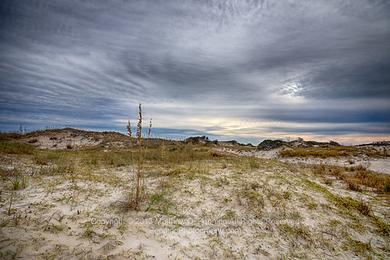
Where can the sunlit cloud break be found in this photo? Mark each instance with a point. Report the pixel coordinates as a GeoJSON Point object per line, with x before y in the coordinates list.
{"type": "Point", "coordinates": [244, 70]}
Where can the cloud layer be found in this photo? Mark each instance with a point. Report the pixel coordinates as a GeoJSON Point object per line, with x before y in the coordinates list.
{"type": "Point", "coordinates": [231, 69]}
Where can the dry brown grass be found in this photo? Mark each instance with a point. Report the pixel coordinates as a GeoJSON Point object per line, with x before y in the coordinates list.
{"type": "Point", "coordinates": [326, 152]}
{"type": "Point", "coordinates": [345, 203]}
{"type": "Point", "coordinates": [355, 177]}
{"type": "Point", "coordinates": [353, 185]}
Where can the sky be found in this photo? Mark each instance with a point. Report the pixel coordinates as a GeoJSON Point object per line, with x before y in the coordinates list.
{"type": "Point", "coordinates": [236, 69]}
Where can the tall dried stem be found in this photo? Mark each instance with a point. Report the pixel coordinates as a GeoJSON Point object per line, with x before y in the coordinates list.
{"type": "Point", "coordinates": [150, 129]}
{"type": "Point", "coordinates": [139, 126]}
{"type": "Point", "coordinates": [129, 128]}
{"type": "Point", "coordinates": [140, 160]}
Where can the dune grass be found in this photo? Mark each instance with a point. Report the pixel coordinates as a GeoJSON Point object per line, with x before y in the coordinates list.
{"type": "Point", "coordinates": [356, 178]}
{"type": "Point", "coordinates": [196, 182]}
{"type": "Point", "coordinates": [326, 152]}
{"type": "Point", "coordinates": [12, 147]}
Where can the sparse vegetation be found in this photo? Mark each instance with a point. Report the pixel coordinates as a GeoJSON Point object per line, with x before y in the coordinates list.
{"type": "Point", "coordinates": [355, 177]}
{"type": "Point", "coordinates": [139, 176]}
{"type": "Point", "coordinates": [19, 182]}
{"type": "Point", "coordinates": [360, 248]}
{"type": "Point", "coordinates": [295, 231]}
{"type": "Point", "coordinates": [325, 152]}
{"type": "Point", "coordinates": [198, 196]}
{"type": "Point", "coordinates": [12, 147]}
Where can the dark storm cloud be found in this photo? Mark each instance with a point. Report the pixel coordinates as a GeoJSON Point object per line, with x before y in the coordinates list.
{"type": "Point", "coordinates": [197, 65]}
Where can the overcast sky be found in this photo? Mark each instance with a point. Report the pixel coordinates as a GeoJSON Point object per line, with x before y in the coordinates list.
{"type": "Point", "coordinates": [244, 70]}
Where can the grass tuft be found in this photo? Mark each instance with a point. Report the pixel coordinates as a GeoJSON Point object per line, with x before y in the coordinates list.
{"type": "Point", "coordinates": [341, 202]}
{"type": "Point", "coordinates": [355, 177]}
{"type": "Point", "coordinates": [296, 231]}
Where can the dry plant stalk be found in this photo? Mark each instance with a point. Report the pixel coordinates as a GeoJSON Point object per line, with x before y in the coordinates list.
{"type": "Point", "coordinates": [139, 125]}
{"type": "Point", "coordinates": [140, 160]}
{"type": "Point", "coordinates": [10, 203]}
{"type": "Point", "coordinates": [129, 128]}
{"type": "Point", "coordinates": [150, 129]}
{"type": "Point", "coordinates": [163, 152]}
